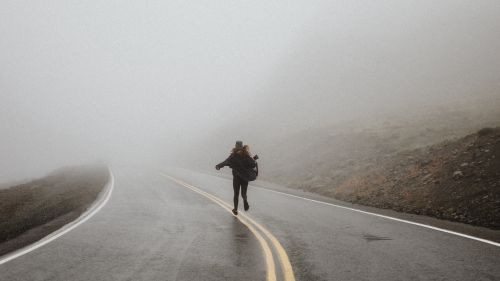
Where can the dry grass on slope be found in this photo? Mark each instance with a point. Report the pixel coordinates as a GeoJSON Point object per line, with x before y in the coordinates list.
{"type": "Point", "coordinates": [32, 210]}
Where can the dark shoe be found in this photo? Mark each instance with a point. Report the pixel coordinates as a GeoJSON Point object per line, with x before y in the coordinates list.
{"type": "Point", "coordinates": [246, 206]}
{"type": "Point", "coordinates": [235, 212]}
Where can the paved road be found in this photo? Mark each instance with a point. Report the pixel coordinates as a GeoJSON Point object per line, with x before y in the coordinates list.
{"type": "Point", "coordinates": [156, 229]}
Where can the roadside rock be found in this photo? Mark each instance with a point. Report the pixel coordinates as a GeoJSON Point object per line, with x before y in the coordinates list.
{"type": "Point", "coordinates": [458, 174]}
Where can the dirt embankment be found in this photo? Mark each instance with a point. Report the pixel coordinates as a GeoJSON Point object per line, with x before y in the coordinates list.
{"type": "Point", "coordinates": [455, 180]}
{"type": "Point", "coordinates": [32, 210]}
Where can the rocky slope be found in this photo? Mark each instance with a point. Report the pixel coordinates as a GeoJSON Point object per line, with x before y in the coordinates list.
{"type": "Point", "coordinates": [456, 178]}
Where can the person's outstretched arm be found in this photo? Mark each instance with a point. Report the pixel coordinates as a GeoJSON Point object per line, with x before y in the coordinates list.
{"type": "Point", "coordinates": [224, 163]}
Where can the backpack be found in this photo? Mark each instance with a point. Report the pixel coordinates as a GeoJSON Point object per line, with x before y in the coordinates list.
{"type": "Point", "coordinates": [253, 173]}
{"type": "Point", "coordinates": [245, 167]}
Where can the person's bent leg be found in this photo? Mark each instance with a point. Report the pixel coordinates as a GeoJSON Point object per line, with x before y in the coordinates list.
{"type": "Point", "coordinates": [244, 187]}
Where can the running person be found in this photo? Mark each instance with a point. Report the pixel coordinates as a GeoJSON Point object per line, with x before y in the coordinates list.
{"type": "Point", "coordinates": [243, 166]}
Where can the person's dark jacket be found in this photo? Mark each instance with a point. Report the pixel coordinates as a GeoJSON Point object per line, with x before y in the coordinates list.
{"type": "Point", "coordinates": [243, 165]}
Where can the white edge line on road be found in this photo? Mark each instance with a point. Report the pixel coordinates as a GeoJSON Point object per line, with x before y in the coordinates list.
{"type": "Point", "coordinates": [388, 217]}
{"type": "Point", "coordinates": [376, 215]}
{"type": "Point", "coordinates": [96, 207]}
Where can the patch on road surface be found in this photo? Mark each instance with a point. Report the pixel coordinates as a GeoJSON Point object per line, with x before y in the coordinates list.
{"type": "Point", "coordinates": [370, 238]}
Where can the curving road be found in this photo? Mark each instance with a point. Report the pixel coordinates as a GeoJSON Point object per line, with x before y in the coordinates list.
{"type": "Point", "coordinates": [176, 225]}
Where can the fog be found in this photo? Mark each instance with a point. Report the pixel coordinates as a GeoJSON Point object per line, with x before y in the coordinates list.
{"type": "Point", "coordinates": [148, 83]}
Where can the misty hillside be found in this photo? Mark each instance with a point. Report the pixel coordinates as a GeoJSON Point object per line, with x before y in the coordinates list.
{"type": "Point", "coordinates": [31, 210]}
{"type": "Point", "coordinates": [319, 157]}
{"type": "Point", "coordinates": [455, 180]}
{"type": "Point", "coordinates": [399, 164]}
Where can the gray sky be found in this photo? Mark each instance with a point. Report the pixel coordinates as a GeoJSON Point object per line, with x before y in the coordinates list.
{"type": "Point", "coordinates": [85, 80]}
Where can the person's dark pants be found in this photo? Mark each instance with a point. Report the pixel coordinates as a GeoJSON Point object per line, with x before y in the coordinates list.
{"type": "Point", "coordinates": [237, 183]}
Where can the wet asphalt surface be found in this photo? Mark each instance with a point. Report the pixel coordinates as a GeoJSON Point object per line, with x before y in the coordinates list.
{"type": "Point", "coordinates": [154, 229]}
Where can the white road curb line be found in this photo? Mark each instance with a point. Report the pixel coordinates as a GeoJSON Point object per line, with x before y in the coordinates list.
{"type": "Point", "coordinates": [68, 227]}
{"type": "Point", "coordinates": [377, 215]}
{"type": "Point", "coordinates": [388, 217]}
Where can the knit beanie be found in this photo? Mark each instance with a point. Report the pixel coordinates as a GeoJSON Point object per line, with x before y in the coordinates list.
{"type": "Point", "coordinates": [239, 144]}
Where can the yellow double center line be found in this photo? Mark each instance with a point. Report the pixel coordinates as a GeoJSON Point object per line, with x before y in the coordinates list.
{"type": "Point", "coordinates": [286, 267]}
